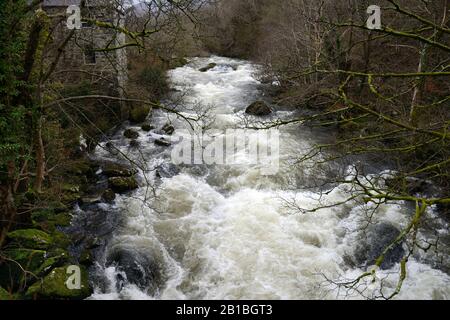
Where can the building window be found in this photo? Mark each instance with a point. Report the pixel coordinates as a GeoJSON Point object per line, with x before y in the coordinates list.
{"type": "Point", "coordinates": [90, 55]}
{"type": "Point", "coordinates": [87, 24]}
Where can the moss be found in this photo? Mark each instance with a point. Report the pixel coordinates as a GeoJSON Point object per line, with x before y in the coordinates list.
{"type": "Point", "coordinates": [4, 295]}
{"type": "Point", "coordinates": [11, 274]}
{"type": "Point", "coordinates": [30, 238]}
{"type": "Point", "coordinates": [122, 184]}
{"type": "Point", "coordinates": [52, 262]}
{"type": "Point", "coordinates": [71, 193]}
{"type": "Point", "coordinates": [54, 286]}
{"type": "Point", "coordinates": [80, 168]}
{"type": "Point", "coordinates": [208, 67]}
{"type": "Point", "coordinates": [178, 63]}
{"type": "Point", "coordinates": [60, 240]}
{"type": "Point", "coordinates": [48, 220]}
{"type": "Point", "coordinates": [63, 219]}
{"type": "Point", "coordinates": [117, 170]}
{"type": "Point", "coordinates": [138, 114]}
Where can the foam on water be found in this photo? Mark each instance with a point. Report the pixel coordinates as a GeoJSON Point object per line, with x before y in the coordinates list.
{"type": "Point", "coordinates": [229, 233]}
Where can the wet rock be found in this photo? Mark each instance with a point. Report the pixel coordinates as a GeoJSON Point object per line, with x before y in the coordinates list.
{"type": "Point", "coordinates": [376, 239]}
{"type": "Point", "coordinates": [109, 195]}
{"type": "Point", "coordinates": [122, 184]}
{"type": "Point", "coordinates": [167, 170]}
{"type": "Point", "coordinates": [168, 129]}
{"type": "Point", "coordinates": [80, 168]}
{"type": "Point", "coordinates": [208, 67]}
{"type": "Point", "coordinates": [147, 127]}
{"type": "Point", "coordinates": [48, 220]}
{"type": "Point", "coordinates": [139, 114]}
{"type": "Point", "coordinates": [163, 142]}
{"type": "Point", "coordinates": [117, 170]}
{"type": "Point", "coordinates": [53, 286]}
{"type": "Point", "coordinates": [86, 258]}
{"type": "Point", "coordinates": [52, 261]}
{"type": "Point", "coordinates": [258, 108]}
{"type": "Point", "coordinates": [91, 199]}
{"type": "Point", "coordinates": [134, 144]}
{"type": "Point", "coordinates": [136, 268]}
{"type": "Point", "coordinates": [70, 194]}
{"type": "Point", "coordinates": [178, 63]}
{"type": "Point", "coordinates": [131, 134]}
{"type": "Point", "coordinates": [30, 238]}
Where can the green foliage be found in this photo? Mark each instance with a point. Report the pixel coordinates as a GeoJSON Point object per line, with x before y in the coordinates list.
{"type": "Point", "coordinates": [153, 78]}
{"type": "Point", "coordinates": [12, 115]}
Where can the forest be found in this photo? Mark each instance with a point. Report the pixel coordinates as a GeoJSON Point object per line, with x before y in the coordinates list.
{"type": "Point", "coordinates": [93, 94]}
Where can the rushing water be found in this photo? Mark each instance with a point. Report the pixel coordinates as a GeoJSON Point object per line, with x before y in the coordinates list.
{"type": "Point", "coordinates": [226, 232]}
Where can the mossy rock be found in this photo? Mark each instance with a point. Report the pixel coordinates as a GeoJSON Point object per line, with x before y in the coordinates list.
{"type": "Point", "coordinates": [30, 238]}
{"type": "Point", "coordinates": [60, 240]}
{"type": "Point", "coordinates": [4, 295]}
{"type": "Point", "coordinates": [208, 67]}
{"type": "Point", "coordinates": [54, 286]}
{"type": "Point", "coordinates": [57, 259]}
{"type": "Point", "coordinates": [71, 193]}
{"type": "Point", "coordinates": [117, 170]}
{"type": "Point", "coordinates": [109, 195]}
{"type": "Point", "coordinates": [81, 168]}
{"type": "Point", "coordinates": [178, 63]}
{"type": "Point", "coordinates": [29, 259]}
{"type": "Point", "coordinates": [86, 258]}
{"type": "Point", "coordinates": [48, 220]}
{"type": "Point", "coordinates": [131, 134]}
{"type": "Point", "coordinates": [122, 184]}
{"type": "Point", "coordinates": [11, 274]}
{"type": "Point", "coordinates": [63, 219]}
{"type": "Point", "coordinates": [139, 113]}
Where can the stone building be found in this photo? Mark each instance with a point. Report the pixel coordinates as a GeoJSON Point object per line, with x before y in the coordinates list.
{"type": "Point", "coordinates": [90, 53]}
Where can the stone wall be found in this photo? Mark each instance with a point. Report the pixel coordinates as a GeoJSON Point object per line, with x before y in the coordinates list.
{"type": "Point", "coordinates": [110, 67]}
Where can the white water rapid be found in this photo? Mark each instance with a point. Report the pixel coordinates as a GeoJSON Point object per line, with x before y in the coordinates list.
{"type": "Point", "coordinates": [226, 232]}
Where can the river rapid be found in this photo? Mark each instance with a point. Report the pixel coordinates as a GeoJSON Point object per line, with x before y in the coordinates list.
{"type": "Point", "coordinates": [231, 232]}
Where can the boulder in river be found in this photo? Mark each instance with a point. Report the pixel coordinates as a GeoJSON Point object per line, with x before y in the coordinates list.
{"type": "Point", "coordinates": [258, 108]}
{"type": "Point", "coordinates": [163, 142]}
{"type": "Point", "coordinates": [122, 184]}
{"type": "Point", "coordinates": [168, 129]}
{"type": "Point", "coordinates": [109, 195]}
{"type": "Point", "coordinates": [134, 144]}
{"type": "Point", "coordinates": [111, 169]}
{"type": "Point", "coordinates": [139, 269]}
{"type": "Point", "coordinates": [374, 242]}
{"type": "Point", "coordinates": [131, 134]}
{"type": "Point", "coordinates": [167, 170]}
{"type": "Point", "coordinates": [147, 127]}
{"type": "Point", "coordinates": [208, 67]}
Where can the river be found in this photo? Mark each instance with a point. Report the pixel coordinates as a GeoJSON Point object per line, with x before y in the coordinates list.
{"type": "Point", "coordinates": [231, 232]}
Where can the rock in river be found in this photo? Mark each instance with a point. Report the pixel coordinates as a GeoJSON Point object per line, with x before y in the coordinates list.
{"type": "Point", "coordinates": [131, 134]}
{"type": "Point", "coordinates": [122, 184]}
{"type": "Point", "coordinates": [208, 67]}
{"type": "Point", "coordinates": [258, 108]}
